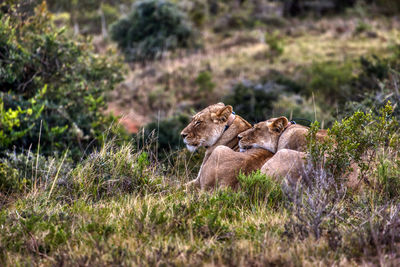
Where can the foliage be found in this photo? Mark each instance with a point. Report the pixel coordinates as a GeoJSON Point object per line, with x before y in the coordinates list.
{"type": "Point", "coordinates": [86, 15]}
{"type": "Point", "coordinates": [52, 86]}
{"type": "Point", "coordinates": [206, 86]}
{"type": "Point", "coordinates": [275, 44]}
{"type": "Point", "coordinates": [253, 101]}
{"type": "Point", "coordinates": [330, 81]}
{"type": "Point", "coordinates": [257, 188]}
{"type": "Point", "coordinates": [357, 139]}
{"type": "Point", "coordinates": [112, 171]}
{"type": "Point", "coordinates": [302, 110]}
{"type": "Point", "coordinates": [29, 172]}
{"type": "Point", "coordinates": [153, 26]}
{"type": "Point", "coordinates": [163, 135]}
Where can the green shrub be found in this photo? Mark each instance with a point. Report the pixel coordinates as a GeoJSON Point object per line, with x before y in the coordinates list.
{"type": "Point", "coordinates": [205, 88]}
{"type": "Point", "coordinates": [252, 101]}
{"type": "Point", "coordinates": [51, 86]}
{"type": "Point", "coordinates": [164, 135]}
{"type": "Point", "coordinates": [362, 27]}
{"type": "Point", "coordinates": [153, 26]}
{"type": "Point", "coordinates": [331, 81]}
{"type": "Point", "coordinates": [357, 139]}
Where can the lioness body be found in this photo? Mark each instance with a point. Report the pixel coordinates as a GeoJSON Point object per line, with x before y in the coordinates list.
{"type": "Point", "coordinates": [286, 140]}
{"type": "Point", "coordinates": [294, 137]}
{"type": "Point", "coordinates": [286, 163]}
{"type": "Point", "coordinates": [289, 143]}
{"type": "Point", "coordinates": [224, 165]}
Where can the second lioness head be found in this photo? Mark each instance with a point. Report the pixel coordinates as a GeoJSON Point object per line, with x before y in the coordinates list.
{"type": "Point", "coordinates": [263, 135]}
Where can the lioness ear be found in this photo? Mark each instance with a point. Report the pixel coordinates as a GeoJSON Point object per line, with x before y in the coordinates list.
{"type": "Point", "coordinates": [279, 124]}
{"type": "Point", "coordinates": [222, 114]}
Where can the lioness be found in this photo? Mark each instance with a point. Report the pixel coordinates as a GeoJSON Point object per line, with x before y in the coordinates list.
{"type": "Point", "coordinates": [214, 126]}
{"type": "Point", "coordinates": [276, 134]}
{"type": "Point", "coordinates": [279, 136]}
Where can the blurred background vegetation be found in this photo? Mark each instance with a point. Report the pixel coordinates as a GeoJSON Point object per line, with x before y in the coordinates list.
{"type": "Point", "coordinates": [69, 69]}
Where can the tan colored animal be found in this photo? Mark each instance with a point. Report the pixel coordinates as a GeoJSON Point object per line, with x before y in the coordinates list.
{"type": "Point", "coordinates": [224, 165]}
{"type": "Point", "coordinates": [276, 134]}
{"type": "Point", "coordinates": [214, 126]}
{"type": "Point", "coordinates": [286, 163]}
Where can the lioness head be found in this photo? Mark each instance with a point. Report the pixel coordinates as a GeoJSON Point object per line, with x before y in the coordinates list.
{"type": "Point", "coordinates": [263, 135]}
{"type": "Point", "coordinates": [206, 127]}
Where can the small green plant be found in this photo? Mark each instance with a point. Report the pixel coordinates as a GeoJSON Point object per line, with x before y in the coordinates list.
{"type": "Point", "coordinates": [206, 86]}
{"type": "Point", "coordinates": [261, 189]}
{"type": "Point", "coordinates": [362, 27]}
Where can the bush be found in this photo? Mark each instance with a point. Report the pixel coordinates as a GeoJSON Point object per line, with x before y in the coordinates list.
{"type": "Point", "coordinates": [331, 81]}
{"type": "Point", "coordinates": [24, 172]}
{"type": "Point", "coordinates": [360, 139]}
{"type": "Point", "coordinates": [153, 26]}
{"type": "Point", "coordinates": [163, 135]}
{"type": "Point", "coordinates": [51, 86]}
{"type": "Point", "coordinates": [252, 101]}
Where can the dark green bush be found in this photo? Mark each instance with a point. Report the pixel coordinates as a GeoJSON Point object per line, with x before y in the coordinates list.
{"type": "Point", "coordinates": [252, 101]}
{"type": "Point", "coordinates": [51, 86]}
{"type": "Point", "coordinates": [153, 26]}
{"type": "Point", "coordinates": [330, 81]}
{"type": "Point", "coordinates": [275, 44]}
{"type": "Point", "coordinates": [164, 135]}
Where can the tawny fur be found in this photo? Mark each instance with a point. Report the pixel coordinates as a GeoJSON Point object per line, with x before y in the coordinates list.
{"type": "Point", "coordinates": [289, 143]}
{"type": "Point", "coordinates": [224, 166]}
{"type": "Point", "coordinates": [276, 134]}
{"type": "Point", "coordinates": [207, 129]}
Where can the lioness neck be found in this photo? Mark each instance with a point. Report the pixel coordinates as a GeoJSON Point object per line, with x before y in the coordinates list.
{"type": "Point", "coordinates": [229, 137]}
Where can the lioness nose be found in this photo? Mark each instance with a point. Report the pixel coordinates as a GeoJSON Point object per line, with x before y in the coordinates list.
{"type": "Point", "coordinates": [183, 135]}
{"type": "Point", "coordinates": [240, 137]}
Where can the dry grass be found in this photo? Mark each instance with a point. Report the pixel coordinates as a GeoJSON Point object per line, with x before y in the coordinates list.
{"type": "Point", "coordinates": [168, 86]}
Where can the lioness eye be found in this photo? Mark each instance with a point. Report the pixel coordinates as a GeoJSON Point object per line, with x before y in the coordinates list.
{"type": "Point", "coordinates": [197, 122]}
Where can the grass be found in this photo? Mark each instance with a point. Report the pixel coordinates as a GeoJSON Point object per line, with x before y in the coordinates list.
{"type": "Point", "coordinates": [177, 228]}
{"type": "Point", "coordinates": [119, 207]}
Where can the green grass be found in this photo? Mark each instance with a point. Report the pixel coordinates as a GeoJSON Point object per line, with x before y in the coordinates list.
{"type": "Point", "coordinates": [118, 207]}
